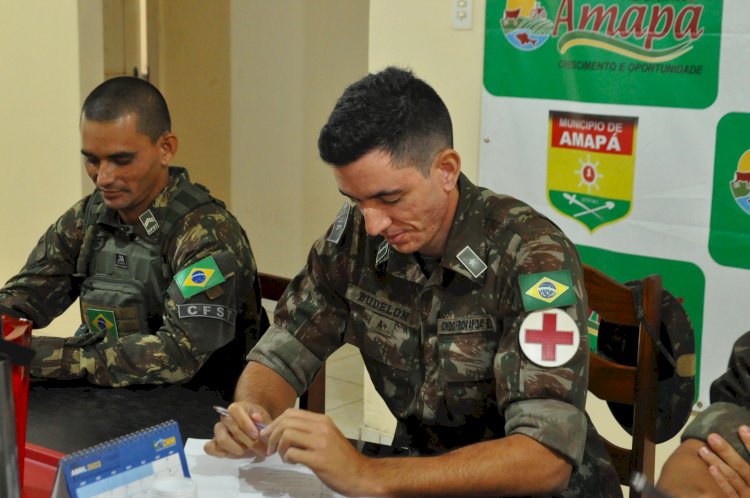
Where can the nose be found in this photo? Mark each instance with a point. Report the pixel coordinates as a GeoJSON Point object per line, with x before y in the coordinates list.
{"type": "Point", "coordinates": [376, 221]}
{"type": "Point", "coordinates": [105, 174]}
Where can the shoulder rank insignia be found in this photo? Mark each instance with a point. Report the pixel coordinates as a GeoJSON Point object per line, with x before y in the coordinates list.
{"type": "Point", "coordinates": [549, 338]}
{"type": "Point", "coordinates": [471, 261]}
{"type": "Point", "coordinates": [384, 251]}
{"type": "Point", "coordinates": [339, 224]}
{"type": "Point", "coordinates": [547, 290]}
{"type": "Point", "coordinates": [199, 277]}
{"type": "Point", "coordinates": [148, 220]}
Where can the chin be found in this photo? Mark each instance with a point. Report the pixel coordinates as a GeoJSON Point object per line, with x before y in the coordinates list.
{"type": "Point", "coordinates": [406, 247]}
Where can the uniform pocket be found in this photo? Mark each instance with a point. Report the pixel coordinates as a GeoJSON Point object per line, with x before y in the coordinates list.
{"type": "Point", "coordinates": [466, 349]}
{"type": "Point", "coordinates": [114, 303]}
{"type": "Point", "coordinates": [383, 345]}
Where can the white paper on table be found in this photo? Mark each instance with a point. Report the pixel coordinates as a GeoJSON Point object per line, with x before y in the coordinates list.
{"type": "Point", "coordinates": [248, 477]}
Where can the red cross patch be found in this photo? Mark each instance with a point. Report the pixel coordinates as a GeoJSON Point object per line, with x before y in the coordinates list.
{"type": "Point", "coordinates": [549, 337]}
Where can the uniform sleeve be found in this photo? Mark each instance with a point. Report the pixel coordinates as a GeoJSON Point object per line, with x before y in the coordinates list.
{"type": "Point", "coordinates": [194, 326]}
{"type": "Point", "coordinates": [723, 419]}
{"type": "Point", "coordinates": [730, 401]}
{"type": "Point", "coordinates": [46, 286]}
{"type": "Point", "coordinates": [734, 385]}
{"type": "Point", "coordinates": [309, 320]}
{"type": "Point", "coordinates": [544, 403]}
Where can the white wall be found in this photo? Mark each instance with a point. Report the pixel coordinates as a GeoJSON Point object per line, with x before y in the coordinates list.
{"type": "Point", "coordinates": [418, 34]}
{"type": "Point", "coordinates": [41, 86]}
{"type": "Point", "coordinates": [290, 60]}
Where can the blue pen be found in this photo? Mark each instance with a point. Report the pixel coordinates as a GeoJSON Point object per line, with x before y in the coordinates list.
{"type": "Point", "coordinates": [223, 411]}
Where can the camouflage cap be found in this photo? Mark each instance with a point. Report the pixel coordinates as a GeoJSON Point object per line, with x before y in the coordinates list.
{"type": "Point", "coordinates": [675, 365]}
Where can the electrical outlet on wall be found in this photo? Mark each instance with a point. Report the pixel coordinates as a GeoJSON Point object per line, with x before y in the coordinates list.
{"type": "Point", "coordinates": [461, 13]}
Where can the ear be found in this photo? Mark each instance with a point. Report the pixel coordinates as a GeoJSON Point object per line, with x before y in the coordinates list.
{"type": "Point", "coordinates": [448, 167]}
{"type": "Point", "coordinates": [167, 144]}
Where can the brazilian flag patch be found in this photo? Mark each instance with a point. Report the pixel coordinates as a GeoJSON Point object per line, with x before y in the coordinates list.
{"type": "Point", "coordinates": [102, 320]}
{"type": "Point", "coordinates": [547, 290]}
{"type": "Point", "coordinates": [199, 277]}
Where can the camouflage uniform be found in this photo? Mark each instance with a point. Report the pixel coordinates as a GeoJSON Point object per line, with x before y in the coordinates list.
{"type": "Point", "coordinates": [730, 401]}
{"type": "Point", "coordinates": [443, 350]}
{"type": "Point", "coordinates": [168, 337]}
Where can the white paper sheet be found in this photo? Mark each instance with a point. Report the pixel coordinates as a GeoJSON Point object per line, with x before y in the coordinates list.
{"type": "Point", "coordinates": [248, 477]}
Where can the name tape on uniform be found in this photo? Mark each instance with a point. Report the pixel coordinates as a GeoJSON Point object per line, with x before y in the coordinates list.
{"type": "Point", "coordinates": [215, 311]}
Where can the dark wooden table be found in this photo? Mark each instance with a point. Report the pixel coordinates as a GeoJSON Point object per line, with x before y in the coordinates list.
{"type": "Point", "coordinates": [69, 416]}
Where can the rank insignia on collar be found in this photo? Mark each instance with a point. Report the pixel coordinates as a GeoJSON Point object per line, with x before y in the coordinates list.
{"type": "Point", "coordinates": [148, 220]}
{"type": "Point", "coordinates": [121, 260]}
{"type": "Point", "coordinates": [547, 290]}
{"type": "Point", "coordinates": [549, 338]}
{"type": "Point", "coordinates": [471, 261]}
{"type": "Point", "coordinates": [339, 224]}
{"type": "Point", "coordinates": [384, 250]}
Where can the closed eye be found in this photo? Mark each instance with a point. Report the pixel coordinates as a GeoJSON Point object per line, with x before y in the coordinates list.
{"type": "Point", "coordinates": [390, 200]}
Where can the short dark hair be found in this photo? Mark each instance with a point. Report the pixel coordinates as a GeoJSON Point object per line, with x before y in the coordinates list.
{"type": "Point", "coordinates": [118, 97]}
{"type": "Point", "coordinates": [392, 111]}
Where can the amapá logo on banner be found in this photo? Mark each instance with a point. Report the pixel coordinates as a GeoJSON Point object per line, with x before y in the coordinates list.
{"type": "Point", "coordinates": [637, 52]}
{"type": "Point", "coordinates": [729, 234]}
{"type": "Point", "coordinates": [590, 166]}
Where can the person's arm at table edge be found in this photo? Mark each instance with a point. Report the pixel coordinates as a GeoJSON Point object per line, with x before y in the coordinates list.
{"type": "Point", "coordinates": [528, 467]}
{"type": "Point", "coordinates": [685, 474]}
{"type": "Point", "coordinates": [515, 465]}
{"type": "Point", "coordinates": [260, 385]}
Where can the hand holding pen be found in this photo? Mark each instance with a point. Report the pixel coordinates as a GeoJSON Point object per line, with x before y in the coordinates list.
{"type": "Point", "coordinates": [223, 411]}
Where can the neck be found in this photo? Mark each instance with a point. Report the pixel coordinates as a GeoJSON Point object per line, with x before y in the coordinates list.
{"type": "Point", "coordinates": [441, 240]}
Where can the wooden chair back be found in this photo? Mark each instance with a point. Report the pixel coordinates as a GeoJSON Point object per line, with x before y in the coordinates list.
{"type": "Point", "coordinates": [610, 381]}
{"type": "Point", "coordinates": [314, 399]}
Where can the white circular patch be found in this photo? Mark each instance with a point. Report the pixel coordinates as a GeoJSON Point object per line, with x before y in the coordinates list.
{"type": "Point", "coordinates": [549, 337]}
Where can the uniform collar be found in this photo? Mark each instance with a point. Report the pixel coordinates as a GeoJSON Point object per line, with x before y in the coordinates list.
{"type": "Point", "coordinates": [108, 217]}
{"type": "Point", "coordinates": [466, 248]}
{"type": "Point", "coordinates": [467, 231]}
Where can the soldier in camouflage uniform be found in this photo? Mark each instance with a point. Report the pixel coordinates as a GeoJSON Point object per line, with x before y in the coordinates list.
{"type": "Point", "coordinates": [433, 279]}
{"type": "Point", "coordinates": [718, 437]}
{"type": "Point", "coordinates": [165, 275]}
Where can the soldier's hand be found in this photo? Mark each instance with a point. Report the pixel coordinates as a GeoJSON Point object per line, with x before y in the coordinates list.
{"type": "Point", "coordinates": [237, 435]}
{"type": "Point", "coordinates": [730, 471]}
{"type": "Point", "coordinates": [84, 339]}
{"type": "Point", "coordinates": [312, 439]}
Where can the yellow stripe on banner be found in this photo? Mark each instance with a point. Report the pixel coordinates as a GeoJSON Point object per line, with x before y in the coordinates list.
{"type": "Point", "coordinates": [623, 51]}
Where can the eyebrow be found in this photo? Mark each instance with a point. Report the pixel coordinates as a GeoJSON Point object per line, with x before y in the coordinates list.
{"type": "Point", "coordinates": [115, 156]}
{"type": "Point", "coordinates": [382, 193]}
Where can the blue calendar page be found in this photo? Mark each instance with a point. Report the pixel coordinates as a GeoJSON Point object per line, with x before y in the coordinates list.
{"type": "Point", "coordinates": [126, 466]}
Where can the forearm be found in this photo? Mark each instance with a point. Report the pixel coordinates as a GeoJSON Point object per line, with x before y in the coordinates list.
{"type": "Point", "coordinates": [686, 475]}
{"type": "Point", "coordinates": [46, 285]}
{"type": "Point", "coordinates": [140, 358]}
{"type": "Point", "coordinates": [512, 466]}
{"type": "Point", "coordinates": [260, 385]}
{"type": "Point", "coordinates": [39, 298]}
